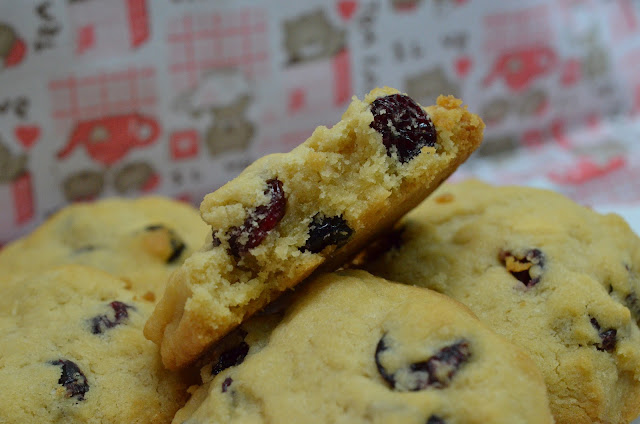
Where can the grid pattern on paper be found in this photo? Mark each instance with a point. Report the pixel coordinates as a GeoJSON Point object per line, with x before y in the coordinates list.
{"type": "Point", "coordinates": [509, 30]}
{"type": "Point", "coordinates": [76, 98]}
{"type": "Point", "coordinates": [232, 39]}
{"type": "Point", "coordinates": [99, 26]}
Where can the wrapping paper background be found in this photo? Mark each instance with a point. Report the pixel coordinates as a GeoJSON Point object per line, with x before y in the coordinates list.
{"type": "Point", "coordinates": [130, 97]}
{"type": "Point", "coordinates": [126, 97]}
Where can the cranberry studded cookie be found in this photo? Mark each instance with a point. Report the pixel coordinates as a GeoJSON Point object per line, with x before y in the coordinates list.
{"type": "Point", "coordinates": [72, 351]}
{"type": "Point", "coordinates": [555, 278]}
{"type": "Point", "coordinates": [289, 214]}
{"type": "Point", "coordinates": [142, 241]}
{"type": "Point", "coordinates": [353, 348]}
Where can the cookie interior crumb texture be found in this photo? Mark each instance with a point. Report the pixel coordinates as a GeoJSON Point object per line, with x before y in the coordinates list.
{"type": "Point", "coordinates": [349, 350]}
{"type": "Point", "coordinates": [313, 208]}
{"type": "Point", "coordinates": [555, 278]}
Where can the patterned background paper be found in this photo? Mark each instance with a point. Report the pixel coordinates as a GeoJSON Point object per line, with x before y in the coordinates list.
{"type": "Point", "coordinates": [129, 97]}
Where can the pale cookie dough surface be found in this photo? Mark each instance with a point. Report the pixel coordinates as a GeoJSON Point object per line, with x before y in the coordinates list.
{"type": "Point", "coordinates": [353, 348]}
{"type": "Point", "coordinates": [288, 214]}
{"type": "Point", "coordinates": [141, 240]}
{"type": "Point", "coordinates": [555, 278]}
{"type": "Point", "coordinates": [72, 351]}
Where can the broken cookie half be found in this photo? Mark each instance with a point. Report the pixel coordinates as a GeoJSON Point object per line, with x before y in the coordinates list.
{"type": "Point", "coordinates": [315, 207]}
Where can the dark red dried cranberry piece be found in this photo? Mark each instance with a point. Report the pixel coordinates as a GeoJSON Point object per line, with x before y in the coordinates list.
{"type": "Point", "coordinates": [608, 337]}
{"type": "Point", "coordinates": [405, 126]}
{"type": "Point", "coordinates": [325, 231]}
{"type": "Point", "coordinates": [226, 383]}
{"type": "Point", "coordinates": [631, 300]}
{"type": "Point", "coordinates": [259, 221]}
{"type": "Point", "coordinates": [72, 379]}
{"type": "Point", "coordinates": [525, 267]}
{"type": "Point", "coordinates": [100, 323]}
{"type": "Point", "coordinates": [381, 347]}
{"type": "Point", "coordinates": [609, 340]}
{"type": "Point", "coordinates": [434, 419]}
{"type": "Point", "coordinates": [436, 372]}
{"type": "Point", "coordinates": [230, 357]}
{"type": "Point", "coordinates": [633, 303]}
{"type": "Point", "coordinates": [176, 245]}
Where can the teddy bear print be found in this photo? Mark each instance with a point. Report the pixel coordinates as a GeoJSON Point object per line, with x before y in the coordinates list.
{"type": "Point", "coordinates": [231, 129]}
{"type": "Point", "coordinates": [426, 86]}
{"type": "Point", "coordinates": [312, 36]}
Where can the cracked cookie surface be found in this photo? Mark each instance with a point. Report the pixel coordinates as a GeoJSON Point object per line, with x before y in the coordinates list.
{"type": "Point", "coordinates": [555, 278]}
{"type": "Point", "coordinates": [353, 348]}
{"type": "Point", "coordinates": [142, 240]}
{"type": "Point", "coordinates": [72, 351]}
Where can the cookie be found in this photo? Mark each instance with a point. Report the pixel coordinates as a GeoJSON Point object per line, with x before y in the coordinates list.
{"type": "Point", "coordinates": [73, 352]}
{"type": "Point", "coordinates": [289, 214]}
{"type": "Point", "coordinates": [141, 240]}
{"type": "Point", "coordinates": [353, 348]}
{"type": "Point", "coordinates": [555, 278]}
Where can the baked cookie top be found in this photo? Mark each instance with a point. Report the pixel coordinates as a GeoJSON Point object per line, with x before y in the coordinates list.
{"type": "Point", "coordinates": [72, 351]}
{"type": "Point", "coordinates": [313, 208]}
{"type": "Point", "coordinates": [141, 241]}
{"type": "Point", "coordinates": [353, 348]}
{"type": "Point", "coordinates": [555, 278]}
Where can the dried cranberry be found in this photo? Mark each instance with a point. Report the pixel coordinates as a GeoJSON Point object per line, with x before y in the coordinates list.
{"type": "Point", "coordinates": [608, 337]}
{"type": "Point", "coordinates": [230, 357]}
{"type": "Point", "coordinates": [405, 126]}
{"type": "Point", "coordinates": [176, 245]}
{"type": "Point", "coordinates": [633, 303]}
{"type": "Point", "coordinates": [72, 379]}
{"type": "Point", "coordinates": [434, 419]}
{"type": "Point", "coordinates": [381, 347]}
{"type": "Point", "coordinates": [631, 300]}
{"type": "Point", "coordinates": [437, 371]}
{"type": "Point", "coordinates": [608, 340]}
{"type": "Point", "coordinates": [226, 383]}
{"type": "Point", "coordinates": [325, 231]}
{"type": "Point", "coordinates": [100, 323]}
{"type": "Point", "coordinates": [524, 266]}
{"type": "Point", "coordinates": [259, 221]}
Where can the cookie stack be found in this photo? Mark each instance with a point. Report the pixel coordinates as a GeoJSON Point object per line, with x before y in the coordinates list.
{"type": "Point", "coordinates": [288, 215]}
{"type": "Point", "coordinates": [354, 348]}
{"type": "Point", "coordinates": [553, 277]}
{"type": "Point", "coordinates": [554, 285]}
{"type": "Point", "coordinates": [76, 295]}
